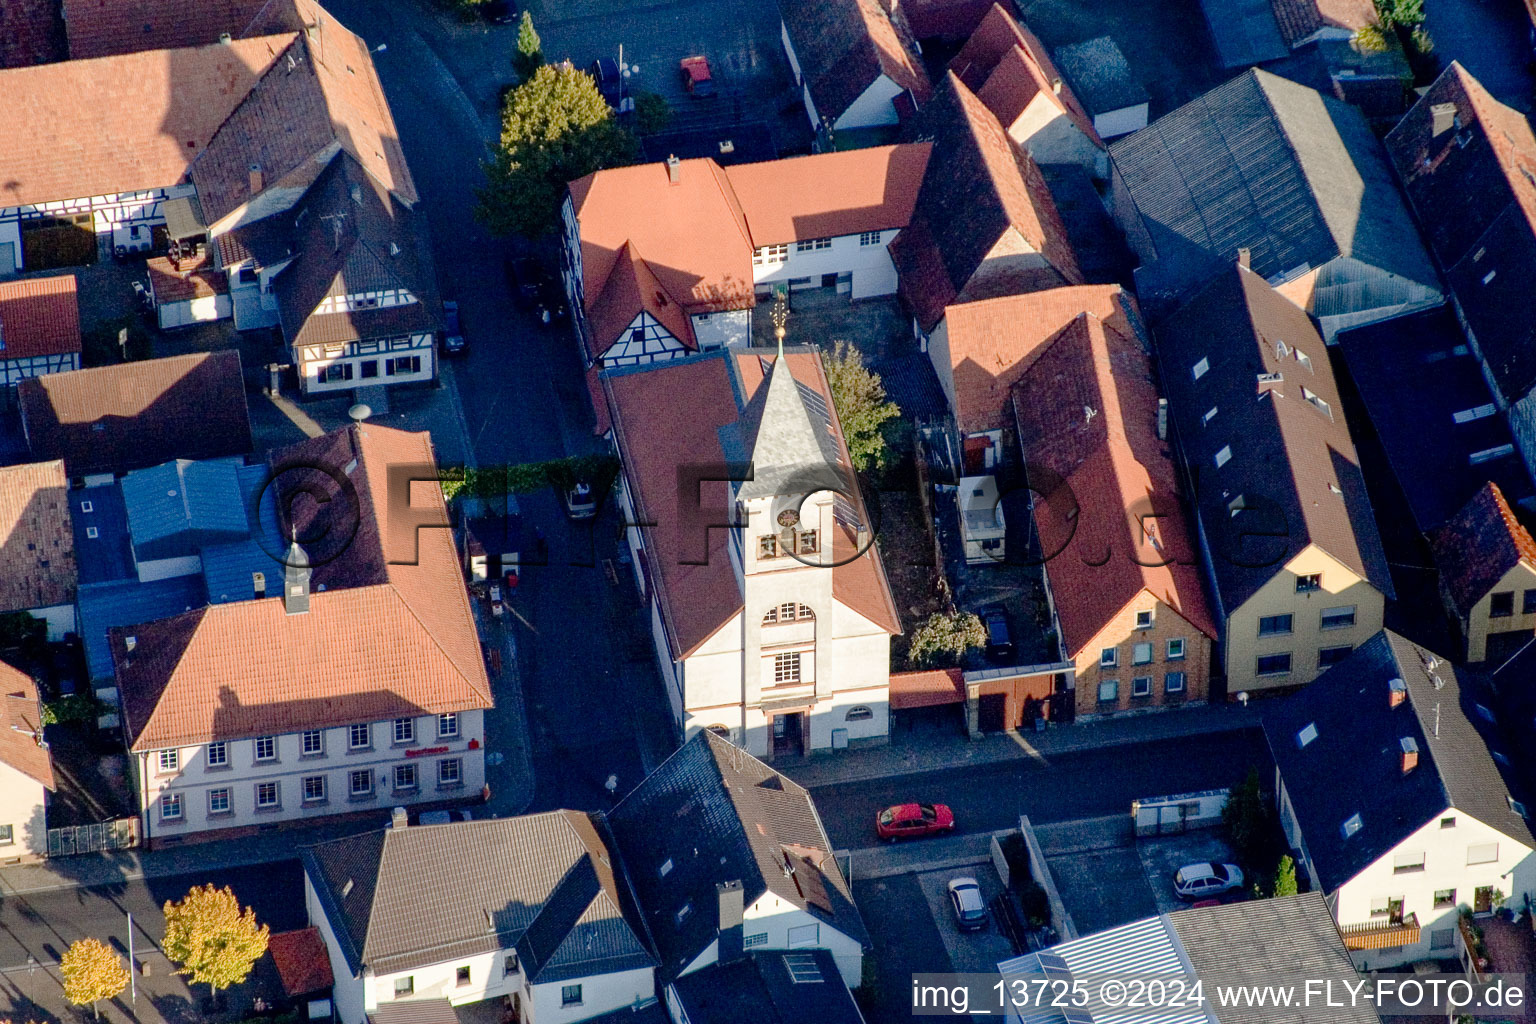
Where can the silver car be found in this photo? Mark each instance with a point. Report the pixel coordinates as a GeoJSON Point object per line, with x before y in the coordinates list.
{"type": "Point", "coordinates": [1197, 881]}
{"type": "Point", "coordinates": [966, 901]}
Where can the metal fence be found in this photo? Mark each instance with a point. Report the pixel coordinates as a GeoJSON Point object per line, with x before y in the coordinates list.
{"type": "Point", "coordinates": [121, 834]}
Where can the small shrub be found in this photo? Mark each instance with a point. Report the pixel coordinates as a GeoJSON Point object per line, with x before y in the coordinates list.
{"type": "Point", "coordinates": [1422, 40]}
{"type": "Point", "coordinates": [946, 637]}
{"type": "Point", "coordinates": [651, 113]}
{"type": "Point", "coordinates": [1371, 39]}
{"type": "Point", "coordinates": [1285, 877]}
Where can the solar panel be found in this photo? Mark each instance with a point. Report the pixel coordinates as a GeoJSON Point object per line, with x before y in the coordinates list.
{"type": "Point", "coordinates": [802, 968]}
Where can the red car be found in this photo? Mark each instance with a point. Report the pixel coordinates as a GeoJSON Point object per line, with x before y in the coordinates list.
{"type": "Point", "coordinates": [908, 821]}
{"type": "Point", "coordinates": [697, 78]}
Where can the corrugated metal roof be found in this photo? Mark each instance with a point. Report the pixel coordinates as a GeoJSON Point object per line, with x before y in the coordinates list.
{"type": "Point", "coordinates": [128, 603]}
{"type": "Point", "coordinates": [184, 500]}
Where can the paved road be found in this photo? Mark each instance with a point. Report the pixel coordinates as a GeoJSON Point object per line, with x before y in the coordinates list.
{"type": "Point", "coordinates": [42, 925]}
{"type": "Point", "coordinates": [1068, 786]}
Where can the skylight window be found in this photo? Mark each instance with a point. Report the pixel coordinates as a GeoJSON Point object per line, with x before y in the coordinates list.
{"type": "Point", "coordinates": [1516, 806]}
{"type": "Point", "coordinates": [1201, 368]}
{"type": "Point", "coordinates": [666, 866]}
{"type": "Point", "coordinates": [1351, 825]}
{"type": "Point", "coordinates": [1489, 454]}
{"type": "Point", "coordinates": [1210, 414]}
{"type": "Point", "coordinates": [1317, 402]}
{"type": "Point", "coordinates": [1304, 359]}
{"type": "Point", "coordinates": [1307, 734]}
{"type": "Point", "coordinates": [1475, 413]}
{"type": "Point", "coordinates": [1224, 456]}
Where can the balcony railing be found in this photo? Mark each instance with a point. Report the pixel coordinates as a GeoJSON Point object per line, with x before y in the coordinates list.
{"type": "Point", "coordinates": [1472, 954]}
{"type": "Point", "coordinates": [1381, 934]}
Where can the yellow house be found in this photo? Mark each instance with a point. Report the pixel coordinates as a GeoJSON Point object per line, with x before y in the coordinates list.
{"type": "Point", "coordinates": [1287, 536]}
{"type": "Point", "coordinates": [1487, 563]}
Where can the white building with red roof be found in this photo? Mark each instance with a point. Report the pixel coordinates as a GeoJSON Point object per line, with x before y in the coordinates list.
{"type": "Point", "coordinates": [775, 632]}
{"type": "Point", "coordinates": [26, 768]}
{"type": "Point", "coordinates": [39, 327]}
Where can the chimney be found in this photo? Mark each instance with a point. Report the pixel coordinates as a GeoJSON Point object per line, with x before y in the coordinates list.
{"type": "Point", "coordinates": [224, 38]}
{"type": "Point", "coordinates": [1244, 258]}
{"type": "Point", "coordinates": [1410, 754]}
{"type": "Point", "coordinates": [729, 899]}
{"type": "Point", "coordinates": [674, 169]}
{"type": "Point", "coordinates": [1397, 692]}
{"type": "Point", "coordinates": [1056, 86]}
{"type": "Point", "coordinates": [1444, 118]}
{"type": "Point", "coordinates": [256, 178]}
{"type": "Point", "coordinates": [296, 580]}
{"type": "Point", "coordinates": [259, 584]}
{"type": "Point", "coordinates": [1162, 419]}
{"type": "Point", "coordinates": [130, 642]}
{"type": "Point", "coordinates": [398, 818]}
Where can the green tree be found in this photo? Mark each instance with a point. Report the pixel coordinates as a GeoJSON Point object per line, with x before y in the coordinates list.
{"type": "Point", "coordinates": [862, 407]}
{"type": "Point", "coordinates": [1247, 819]}
{"type": "Point", "coordinates": [651, 113]}
{"type": "Point", "coordinates": [945, 637]}
{"type": "Point", "coordinates": [92, 972]}
{"type": "Point", "coordinates": [213, 940]}
{"type": "Point", "coordinates": [1285, 877]}
{"type": "Point", "coordinates": [530, 51]}
{"type": "Point", "coordinates": [555, 128]}
{"type": "Point", "coordinates": [24, 631]}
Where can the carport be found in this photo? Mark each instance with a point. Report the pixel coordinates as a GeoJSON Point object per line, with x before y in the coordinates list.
{"type": "Point", "coordinates": [927, 700]}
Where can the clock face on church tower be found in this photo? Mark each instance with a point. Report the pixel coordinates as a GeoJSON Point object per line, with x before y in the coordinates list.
{"type": "Point", "coordinates": [788, 517]}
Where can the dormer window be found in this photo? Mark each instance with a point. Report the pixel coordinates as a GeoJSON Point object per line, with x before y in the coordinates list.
{"type": "Point", "coordinates": [1351, 825]}
{"type": "Point", "coordinates": [1201, 368]}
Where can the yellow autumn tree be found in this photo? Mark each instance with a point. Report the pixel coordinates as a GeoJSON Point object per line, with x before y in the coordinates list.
{"type": "Point", "coordinates": [92, 972]}
{"type": "Point", "coordinates": [213, 940]}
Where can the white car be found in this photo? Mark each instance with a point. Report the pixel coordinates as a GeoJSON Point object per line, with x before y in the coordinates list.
{"type": "Point", "coordinates": [1197, 881]}
{"type": "Point", "coordinates": [966, 901]}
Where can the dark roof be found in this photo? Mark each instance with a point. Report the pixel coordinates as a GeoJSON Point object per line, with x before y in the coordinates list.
{"type": "Point", "coordinates": [1478, 545]}
{"type": "Point", "coordinates": [543, 883]}
{"type": "Point", "coordinates": [1100, 76]}
{"type": "Point", "coordinates": [761, 988]}
{"type": "Point", "coordinates": [34, 33]}
{"type": "Point", "coordinates": [1245, 32]}
{"type": "Point", "coordinates": [1472, 183]}
{"type": "Point", "coordinates": [302, 964]}
{"type": "Point", "coordinates": [1290, 936]}
{"type": "Point", "coordinates": [652, 1012]}
{"type": "Point", "coordinates": [1096, 242]}
{"type": "Point", "coordinates": [977, 187]}
{"type": "Point", "coordinates": [1291, 456]}
{"type": "Point", "coordinates": [1277, 168]}
{"type": "Point", "coordinates": [844, 46]}
{"type": "Point", "coordinates": [717, 814]}
{"type": "Point", "coordinates": [1417, 371]}
{"type": "Point", "coordinates": [352, 236]}
{"type": "Point", "coordinates": [100, 28]}
{"type": "Point", "coordinates": [1353, 766]}
{"type": "Point", "coordinates": [115, 418]}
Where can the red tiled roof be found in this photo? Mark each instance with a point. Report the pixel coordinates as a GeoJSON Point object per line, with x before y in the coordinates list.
{"type": "Point", "coordinates": [37, 543]}
{"type": "Point", "coordinates": [693, 234]}
{"type": "Point", "coordinates": [657, 433]}
{"type": "Point", "coordinates": [1299, 19]}
{"type": "Point", "coordinates": [632, 287]}
{"type": "Point", "coordinates": [21, 727]}
{"type": "Point", "coordinates": [322, 93]}
{"type": "Point", "coordinates": [993, 342]}
{"type": "Point", "coordinates": [303, 966]}
{"type": "Point", "coordinates": [389, 631]}
{"type": "Point", "coordinates": [1478, 545]}
{"type": "Point", "coordinates": [1086, 412]}
{"type": "Point", "coordinates": [132, 415]}
{"type": "Point", "coordinates": [829, 194]}
{"type": "Point", "coordinates": [979, 190]}
{"type": "Point", "coordinates": [116, 124]}
{"type": "Point", "coordinates": [192, 280]}
{"type": "Point", "coordinates": [844, 46]}
{"type": "Point", "coordinates": [103, 28]}
{"type": "Point", "coordinates": [927, 688]}
{"type": "Point", "coordinates": [1007, 66]}
{"type": "Point", "coordinates": [39, 316]}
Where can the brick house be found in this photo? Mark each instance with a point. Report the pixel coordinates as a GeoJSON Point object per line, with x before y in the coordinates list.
{"type": "Point", "coordinates": [1120, 570]}
{"type": "Point", "coordinates": [1487, 562]}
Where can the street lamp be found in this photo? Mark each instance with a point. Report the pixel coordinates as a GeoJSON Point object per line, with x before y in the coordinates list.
{"type": "Point", "coordinates": [625, 70]}
{"type": "Point", "coordinates": [380, 48]}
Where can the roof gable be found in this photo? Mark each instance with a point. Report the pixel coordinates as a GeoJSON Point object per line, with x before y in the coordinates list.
{"type": "Point", "coordinates": [21, 727]}
{"type": "Point", "coordinates": [710, 814]}
{"type": "Point", "coordinates": [1351, 761]}
{"type": "Point", "coordinates": [844, 46]}
{"type": "Point", "coordinates": [1281, 444]}
{"type": "Point", "coordinates": [1086, 411]}
{"type": "Point", "coordinates": [978, 189]}
{"type": "Point", "coordinates": [1479, 545]}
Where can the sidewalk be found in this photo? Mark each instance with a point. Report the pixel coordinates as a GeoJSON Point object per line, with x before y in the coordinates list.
{"type": "Point", "coordinates": [910, 753]}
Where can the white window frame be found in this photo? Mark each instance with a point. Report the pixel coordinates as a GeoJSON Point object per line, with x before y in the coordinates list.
{"type": "Point", "coordinates": [318, 735]}
{"type": "Point", "coordinates": [402, 770]}
{"type": "Point", "coordinates": [1109, 657]}
{"type": "Point", "coordinates": [448, 725]}
{"type": "Point", "coordinates": [786, 668]}
{"type": "Point", "coordinates": [256, 753]}
{"type": "Point", "coordinates": [228, 799]}
{"type": "Point", "coordinates": [457, 763]}
{"type": "Point", "coordinates": [1175, 649]}
{"type": "Point", "coordinates": [216, 754]}
{"type": "Point", "coordinates": [277, 795]}
{"type": "Point", "coordinates": [305, 789]}
{"type": "Point", "coordinates": [1175, 682]}
{"type": "Point", "coordinates": [171, 808]}
{"type": "Point", "coordinates": [404, 730]}
{"type": "Point", "coordinates": [169, 760]}
{"type": "Point", "coordinates": [871, 237]}
{"type": "Point", "coordinates": [367, 729]}
{"type": "Point", "coordinates": [1141, 686]}
{"type": "Point", "coordinates": [352, 780]}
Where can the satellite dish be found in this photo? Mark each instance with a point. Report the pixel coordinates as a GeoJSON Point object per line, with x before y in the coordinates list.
{"type": "Point", "coordinates": [359, 412]}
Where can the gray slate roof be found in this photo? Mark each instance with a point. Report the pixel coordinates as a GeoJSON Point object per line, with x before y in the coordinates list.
{"type": "Point", "coordinates": [1245, 31]}
{"type": "Point", "coordinates": [543, 883]}
{"type": "Point", "coordinates": [1287, 454]}
{"type": "Point", "coordinates": [1354, 764]}
{"type": "Point", "coordinates": [793, 450]}
{"type": "Point", "coordinates": [760, 988]}
{"type": "Point", "coordinates": [1277, 168]}
{"type": "Point", "coordinates": [718, 814]}
{"type": "Point", "coordinates": [1101, 79]}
